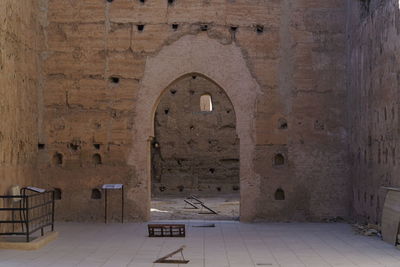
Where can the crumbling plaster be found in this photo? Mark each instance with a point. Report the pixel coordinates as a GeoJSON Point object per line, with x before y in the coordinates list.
{"type": "Point", "coordinates": [223, 64]}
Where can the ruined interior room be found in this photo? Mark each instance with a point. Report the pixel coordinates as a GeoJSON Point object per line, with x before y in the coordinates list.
{"type": "Point", "coordinates": [268, 128]}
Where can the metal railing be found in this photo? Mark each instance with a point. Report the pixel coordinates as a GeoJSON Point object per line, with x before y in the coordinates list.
{"type": "Point", "coordinates": [26, 213]}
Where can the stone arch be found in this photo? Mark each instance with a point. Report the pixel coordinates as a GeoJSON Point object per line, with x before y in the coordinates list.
{"type": "Point", "coordinates": [226, 66]}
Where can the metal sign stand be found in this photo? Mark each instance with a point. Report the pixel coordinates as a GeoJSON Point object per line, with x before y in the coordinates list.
{"type": "Point", "coordinates": [107, 187]}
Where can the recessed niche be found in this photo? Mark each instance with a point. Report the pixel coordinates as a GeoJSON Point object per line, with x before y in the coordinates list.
{"type": "Point", "coordinates": [259, 29]}
{"type": "Point", "coordinates": [282, 124]}
{"type": "Point", "coordinates": [57, 159]}
{"type": "Point", "coordinates": [140, 27]}
{"type": "Point", "coordinates": [97, 159]}
{"type": "Point", "coordinates": [114, 79]}
{"type": "Point", "coordinates": [279, 160]}
{"type": "Point", "coordinates": [279, 194]}
{"type": "Point", "coordinates": [41, 146]}
{"type": "Point", "coordinates": [175, 26]}
{"type": "Point", "coordinates": [96, 146]}
{"type": "Point", "coordinates": [57, 193]}
{"type": "Point", "coordinates": [96, 194]}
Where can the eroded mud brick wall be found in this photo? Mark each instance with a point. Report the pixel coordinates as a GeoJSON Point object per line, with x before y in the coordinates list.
{"type": "Point", "coordinates": [20, 41]}
{"type": "Point", "coordinates": [94, 65]}
{"type": "Point", "coordinates": [374, 83]}
{"type": "Point", "coordinates": [196, 149]}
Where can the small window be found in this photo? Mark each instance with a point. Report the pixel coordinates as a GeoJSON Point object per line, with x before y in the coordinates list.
{"type": "Point", "coordinates": [206, 103]}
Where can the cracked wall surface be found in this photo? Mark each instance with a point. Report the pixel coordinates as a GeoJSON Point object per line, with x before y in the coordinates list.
{"type": "Point", "coordinates": [94, 70]}
{"type": "Point", "coordinates": [373, 82]}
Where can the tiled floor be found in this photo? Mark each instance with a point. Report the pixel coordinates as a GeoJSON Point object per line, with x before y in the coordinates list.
{"type": "Point", "coordinates": [228, 244]}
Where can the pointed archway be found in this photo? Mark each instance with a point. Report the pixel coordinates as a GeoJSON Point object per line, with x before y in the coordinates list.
{"type": "Point", "coordinates": [226, 66]}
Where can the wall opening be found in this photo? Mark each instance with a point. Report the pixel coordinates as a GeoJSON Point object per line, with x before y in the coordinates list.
{"type": "Point", "coordinates": [206, 103]}
{"type": "Point", "coordinates": [279, 194]}
{"type": "Point", "coordinates": [96, 158]}
{"type": "Point", "coordinates": [57, 193]}
{"type": "Point", "coordinates": [195, 154]}
{"type": "Point", "coordinates": [58, 159]}
{"type": "Point", "coordinates": [96, 194]}
{"type": "Point", "coordinates": [279, 160]}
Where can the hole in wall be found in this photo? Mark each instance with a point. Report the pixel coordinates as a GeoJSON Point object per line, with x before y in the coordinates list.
{"type": "Point", "coordinates": [57, 159]}
{"type": "Point", "coordinates": [170, 2]}
{"type": "Point", "coordinates": [235, 188]}
{"type": "Point", "coordinates": [180, 188]}
{"type": "Point", "coordinates": [211, 170]}
{"type": "Point", "coordinates": [74, 147]}
{"type": "Point", "coordinates": [194, 77]}
{"type": "Point", "coordinates": [282, 124]}
{"type": "Point", "coordinates": [140, 27]}
{"type": "Point", "coordinates": [233, 28]}
{"type": "Point", "coordinates": [162, 188]}
{"type": "Point", "coordinates": [114, 79]}
{"type": "Point", "coordinates": [204, 27]}
{"type": "Point", "coordinates": [142, 1]}
{"type": "Point", "coordinates": [96, 146]}
{"type": "Point", "coordinates": [174, 26]}
{"type": "Point", "coordinates": [97, 159]}
{"type": "Point", "coordinates": [172, 91]}
{"type": "Point", "coordinates": [279, 194]}
{"type": "Point", "coordinates": [219, 189]}
{"type": "Point", "coordinates": [279, 160]}
{"type": "Point", "coordinates": [166, 111]}
{"type": "Point", "coordinates": [110, 1]}
{"type": "Point", "coordinates": [96, 194]}
{"type": "Point", "coordinates": [41, 146]}
{"type": "Point", "coordinates": [206, 104]}
{"type": "Point", "coordinates": [191, 92]}
{"type": "Point", "coordinates": [371, 200]}
{"type": "Point", "coordinates": [57, 193]}
{"type": "Point", "coordinates": [259, 28]}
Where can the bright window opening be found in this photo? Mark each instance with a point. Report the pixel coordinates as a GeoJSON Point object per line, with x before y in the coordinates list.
{"type": "Point", "coordinates": [206, 103]}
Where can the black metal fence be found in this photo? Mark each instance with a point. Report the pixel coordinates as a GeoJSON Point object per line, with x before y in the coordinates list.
{"type": "Point", "coordinates": [26, 213]}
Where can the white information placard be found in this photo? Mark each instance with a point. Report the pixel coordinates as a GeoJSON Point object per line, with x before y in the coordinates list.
{"type": "Point", "coordinates": [112, 186]}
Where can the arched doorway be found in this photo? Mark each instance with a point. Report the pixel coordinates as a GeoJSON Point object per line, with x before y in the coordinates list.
{"type": "Point", "coordinates": [222, 63]}
{"type": "Point", "coordinates": [195, 152]}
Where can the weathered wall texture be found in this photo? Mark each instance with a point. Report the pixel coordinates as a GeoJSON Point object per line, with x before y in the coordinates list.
{"type": "Point", "coordinates": [290, 53]}
{"type": "Point", "coordinates": [374, 82]}
{"type": "Point", "coordinates": [20, 42]}
{"type": "Point", "coordinates": [194, 151]}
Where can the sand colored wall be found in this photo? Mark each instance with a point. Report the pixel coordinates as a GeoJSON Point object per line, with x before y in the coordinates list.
{"type": "Point", "coordinates": [373, 82]}
{"type": "Point", "coordinates": [278, 61]}
{"type": "Point", "coordinates": [21, 39]}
